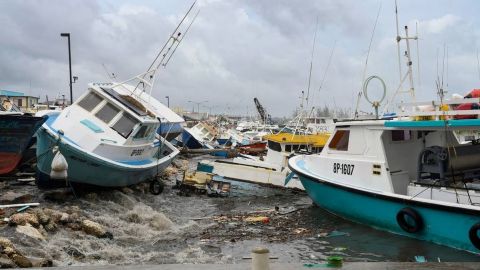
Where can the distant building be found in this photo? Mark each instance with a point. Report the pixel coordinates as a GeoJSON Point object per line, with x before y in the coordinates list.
{"type": "Point", "coordinates": [18, 99]}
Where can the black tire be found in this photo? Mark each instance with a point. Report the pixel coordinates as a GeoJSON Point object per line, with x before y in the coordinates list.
{"type": "Point", "coordinates": [413, 215]}
{"type": "Point", "coordinates": [473, 235]}
{"type": "Point", "coordinates": [156, 187]}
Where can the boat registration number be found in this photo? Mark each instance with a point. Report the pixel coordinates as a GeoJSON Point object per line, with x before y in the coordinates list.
{"type": "Point", "coordinates": [137, 152]}
{"type": "Point", "coordinates": [342, 168]}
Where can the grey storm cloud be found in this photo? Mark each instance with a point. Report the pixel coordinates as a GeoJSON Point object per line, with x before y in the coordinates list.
{"type": "Point", "coordinates": [235, 51]}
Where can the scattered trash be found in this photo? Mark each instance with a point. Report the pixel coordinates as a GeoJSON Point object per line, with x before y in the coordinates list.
{"type": "Point", "coordinates": [420, 259]}
{"type": "Point", "coordinates": [261, 219]}
{"type": "Point", "coordinates": [315, 265]}
{"type": "Point", "coordinates": [26, 180]}
{"type": "Point", "coordinates": [23, 208]}
{"type": "Point", "coordinates": [202, 183]}
{"type": "Point", "coordinates": [334, 261]}
{"type": "Point", "coordinates": [333, 234]}
{"type": "Point", "coordinates": [340, 249]}
{"type": "Point", "coordinates": [19, 205]}
{"type": "Point", "coordinates": [300, 230]}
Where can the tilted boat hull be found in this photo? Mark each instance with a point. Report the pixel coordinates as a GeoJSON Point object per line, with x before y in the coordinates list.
{"type": "Point", "coordinates": [445, 225]}
{"type": "Point", "coordinates": [190, 141]}
{"type": "Point", "coordinates": [86, 168]}
{"type": "Point", "coordinates": [16, 133]}
{"type": "Point", "coordinates": [170, 130]}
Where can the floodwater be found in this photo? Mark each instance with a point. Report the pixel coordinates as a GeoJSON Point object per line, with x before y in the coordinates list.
{"type": "Point", "coordinates": [169, 228]}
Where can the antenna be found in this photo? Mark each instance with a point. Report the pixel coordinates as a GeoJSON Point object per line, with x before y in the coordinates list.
{"type": "Point", "coordinates": [398, 43]}
{"type": "Point", "coordinates": [478, 65]}
{"type": "Point", "coordinates": [447, 71]}
{"type": "Point", "coordinates": [109, 75]}
{"type": "Point", "coordinates": [311, 62]}
{"type": "Point", "coordinates": [418, 54]}
{"type": "Point", "coordinates": [326, 69]}
{"type": "Point", "coordinates": [366, 60]}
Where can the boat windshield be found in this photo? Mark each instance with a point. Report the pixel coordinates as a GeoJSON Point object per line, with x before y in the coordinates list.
{"type": "Point", "coordinates": [145, 131]}
{"type": "Point", "coordinates": [125, 125]}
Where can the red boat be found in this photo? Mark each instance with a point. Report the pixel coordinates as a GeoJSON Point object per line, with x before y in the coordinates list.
{"type": "Point", "coordinates": [16, 132]}
{"type": "Point", "coordinates": [253, 148]}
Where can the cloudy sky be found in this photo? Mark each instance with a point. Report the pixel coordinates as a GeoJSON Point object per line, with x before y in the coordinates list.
{"type": "Point", "coordinates": [238, 49]}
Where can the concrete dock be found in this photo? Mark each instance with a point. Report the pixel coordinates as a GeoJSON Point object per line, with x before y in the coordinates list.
{"type": "Point", "coordinates": [286, 266]}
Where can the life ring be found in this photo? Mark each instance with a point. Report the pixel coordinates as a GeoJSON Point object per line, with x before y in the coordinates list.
{"type": "Point", "coordinates": [473, 235]}
{"type": "Point", "coordinates": [413, 224]}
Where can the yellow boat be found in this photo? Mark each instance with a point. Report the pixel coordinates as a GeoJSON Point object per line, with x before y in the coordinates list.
{"type": "Point", "coordinates": [288, 142]}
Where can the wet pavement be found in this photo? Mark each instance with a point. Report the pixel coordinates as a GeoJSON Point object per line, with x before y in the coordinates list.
{"type": "Point", "coordinates": [170, 229]}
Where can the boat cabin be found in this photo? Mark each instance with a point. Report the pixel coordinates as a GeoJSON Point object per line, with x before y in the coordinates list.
{"type": "Point", "coordinates": [109, 124]}
{"type": "Point", "coordinates": [406, 157]}
{"type": "Point", "coordinates": [283, 145]}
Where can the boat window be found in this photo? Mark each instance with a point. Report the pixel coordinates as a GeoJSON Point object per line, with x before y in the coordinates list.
{"type": "Point", "coordinates": [288, 148]}
{"type": "Point", "coordinates": [107, 112]}
{"type": "Point", "coordinates": [125, 125]}
{"type": "Point", "coordinates": [401, 135]}
{"type": "Point", "coordinates": [90, 101]}
{"type": "Point", "coordinates": [143, 132]}
{"type": "Point", "coordinates": [340, 140]}
{"type": "Point", "coordinates": [275, 146]}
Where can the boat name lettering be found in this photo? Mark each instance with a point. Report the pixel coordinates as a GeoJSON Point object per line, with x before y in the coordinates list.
{"type": "Point", "coordinates": [343, 168]}
{"type": "Point", "coordinates": [137, 152]}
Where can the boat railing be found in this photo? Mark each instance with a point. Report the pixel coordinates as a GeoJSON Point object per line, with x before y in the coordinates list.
{"type": "Point", "coordinates": [436, 109]}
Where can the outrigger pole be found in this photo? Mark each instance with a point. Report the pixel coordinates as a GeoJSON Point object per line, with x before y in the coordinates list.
{"type": "Point", "coordinates": [146, 80]}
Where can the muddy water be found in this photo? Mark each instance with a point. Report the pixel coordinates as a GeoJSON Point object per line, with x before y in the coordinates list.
{"type": "Point", "coordinates": [168, 228]}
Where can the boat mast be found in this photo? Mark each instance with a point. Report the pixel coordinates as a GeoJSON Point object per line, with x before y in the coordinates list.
{"type": "Point", "coordinates": [398, 44]}
{"type": "Point", "coordinates": [409, 72]}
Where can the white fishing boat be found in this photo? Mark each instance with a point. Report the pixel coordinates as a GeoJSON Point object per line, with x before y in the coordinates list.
{"type": "Point", "coordinates": [108, 136]}
{"type": "Point", "coordinates": [202, 135]}
{"type": "Point", "coordinates": [416, 174]}
{"type": "Point", "coordinates": [272, 168]}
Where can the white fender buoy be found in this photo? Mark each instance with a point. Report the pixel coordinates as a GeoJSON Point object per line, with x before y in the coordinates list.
{"type": "Point", "coordinates": [260, 259]}
{"type": "Point", "coordinates": [59, 165]}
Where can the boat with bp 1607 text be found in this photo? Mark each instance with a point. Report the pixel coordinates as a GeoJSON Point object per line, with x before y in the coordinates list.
{"type": "Point", "coordinates": [416, 173]}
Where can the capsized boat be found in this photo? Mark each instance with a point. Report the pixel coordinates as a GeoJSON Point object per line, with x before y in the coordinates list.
{"type": "Point", "coordinates": [271, 169]}
{"type": "Point", "coordinates": [16, 133]}
{"type": "Point", "coordinates": [199, 136]}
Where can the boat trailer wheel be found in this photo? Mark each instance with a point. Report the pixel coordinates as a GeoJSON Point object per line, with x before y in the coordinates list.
{"type": "Point", "coordinates": [474, 236]}
{"type": "Point", "coordinates": [156, 187]}
{"type": "Point", "coordinates": [409, 220]}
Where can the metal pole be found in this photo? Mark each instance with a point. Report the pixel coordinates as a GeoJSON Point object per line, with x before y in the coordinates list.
{"type": "Point", "coordinates": [69, 64]}
{"type": "Point", "coordinates": [168, 101]}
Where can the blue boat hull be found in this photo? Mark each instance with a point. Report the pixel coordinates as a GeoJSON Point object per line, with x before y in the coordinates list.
{"type": "Point", "coordinates": [442, 224]}
{"type": "Point", "coordinates": [189, 141]}
{"type": "Point", "coordinates": [170, 130]}
{"type": "Point", "coordinates": [222, 141]}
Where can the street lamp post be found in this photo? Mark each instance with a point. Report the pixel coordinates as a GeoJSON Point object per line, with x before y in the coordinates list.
{"type": "Point", "coordinates": [198, 104]}
{"type": "Point", "coordinates": [69, 64]}
{"type": "Point", "coordinates": [168, 101]}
